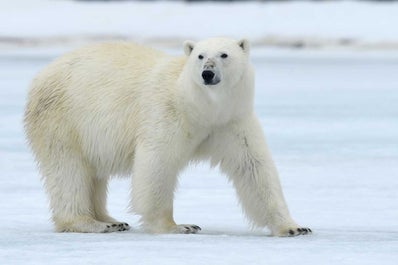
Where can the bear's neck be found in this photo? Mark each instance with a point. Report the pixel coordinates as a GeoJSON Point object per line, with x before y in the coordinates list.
{"type": "Point", "coordinates": [209, 108]}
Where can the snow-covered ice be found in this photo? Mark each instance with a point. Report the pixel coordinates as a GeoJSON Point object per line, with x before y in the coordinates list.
{"type": "Point", "coordinates": [330, 117]}
{"type": "Point", "coordinates": [331, 23]}
{"type": "Point", "coordinates": [331, 123]}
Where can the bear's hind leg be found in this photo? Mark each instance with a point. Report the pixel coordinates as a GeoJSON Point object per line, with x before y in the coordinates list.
{"type": "Point", "coordinates": [99, 195]}
{"type": "Point", "coordinates": [68, 179]}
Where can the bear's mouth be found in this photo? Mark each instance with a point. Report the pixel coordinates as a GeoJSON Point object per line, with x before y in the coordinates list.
{"type": "Point", "coordinates": [212, 83]}
{"type": "Point", "coordinates": [210, 78]}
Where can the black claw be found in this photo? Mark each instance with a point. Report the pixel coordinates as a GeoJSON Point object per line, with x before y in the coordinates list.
{"type": "Point", "coordinates": [114, 225]}
{"type": "Point", "coordinates": [108, 226]}
{"type": "Point", "coordinates": [304, 231]}
{"type": "Point", "coordinates": [125, 224]}
{"type": "Point", "coordinates": [291, 232]}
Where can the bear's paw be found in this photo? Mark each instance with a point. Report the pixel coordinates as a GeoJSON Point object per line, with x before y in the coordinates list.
{"type": "Point", "coordinates": [187, 229]}
{"type": "Point", "coordinates": [116, 227]}
{"type": "Point", "coordinates": [296, 231]}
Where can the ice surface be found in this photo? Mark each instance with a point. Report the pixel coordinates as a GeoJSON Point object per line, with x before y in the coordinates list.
{"type": "Point", "coordinates": [321, 23]}
{"type": "Point", "coordinates": [331, 123]}
{"type": "Point", "coordinates": [331, 120]}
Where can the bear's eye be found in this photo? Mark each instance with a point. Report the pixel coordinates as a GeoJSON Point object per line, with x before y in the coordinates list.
{"type": "Point", "coordinates": [224, 55]}
{"type": "Point", "coordinates": [200, 57]}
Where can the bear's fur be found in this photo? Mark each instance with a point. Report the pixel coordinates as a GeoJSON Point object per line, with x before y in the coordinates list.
{"type": "Point", "coordinates": [120, 109]}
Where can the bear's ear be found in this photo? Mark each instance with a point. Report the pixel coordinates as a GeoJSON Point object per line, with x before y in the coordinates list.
{"type": "Point", "coordinates": [188, 47]}
{"type": "Point", "coordinates": [244, 44]}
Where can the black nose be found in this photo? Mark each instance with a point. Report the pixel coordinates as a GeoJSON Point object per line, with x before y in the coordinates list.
{"type": "Point", "coordinates": [207, 75]}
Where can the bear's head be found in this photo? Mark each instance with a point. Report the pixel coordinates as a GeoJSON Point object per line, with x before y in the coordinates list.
{"type": "Point", "coordinates": [217, 61]}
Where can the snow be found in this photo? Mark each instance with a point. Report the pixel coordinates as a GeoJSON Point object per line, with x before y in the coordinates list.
{"type": "Point", "coordinates": [330, 117]}
{"type": "Point", "coordinates": [293, 23]}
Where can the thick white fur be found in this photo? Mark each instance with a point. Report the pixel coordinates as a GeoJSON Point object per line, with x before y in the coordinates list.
{"type": "Point", "coordinates": [127, 110]}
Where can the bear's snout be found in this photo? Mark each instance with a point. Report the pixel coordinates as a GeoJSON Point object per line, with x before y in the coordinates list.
{"type": "Point", "coordinates": [208, 76]}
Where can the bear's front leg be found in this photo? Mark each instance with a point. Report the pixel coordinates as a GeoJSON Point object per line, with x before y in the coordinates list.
{"type": "Point", "coordinates": [153, 184]}
{"type": "Point", "coordinates": [244, 157]}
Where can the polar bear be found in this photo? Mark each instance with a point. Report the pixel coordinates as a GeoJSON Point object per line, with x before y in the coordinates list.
{"type": "Point", "coordinates": [121, 109]}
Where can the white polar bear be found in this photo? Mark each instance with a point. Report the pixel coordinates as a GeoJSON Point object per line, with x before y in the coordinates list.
{"type": "Point", "coordinates": [120, 109]}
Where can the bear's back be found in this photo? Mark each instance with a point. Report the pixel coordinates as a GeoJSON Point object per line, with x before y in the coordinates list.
{"type": "Point", "coordinates": [99, 97]}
